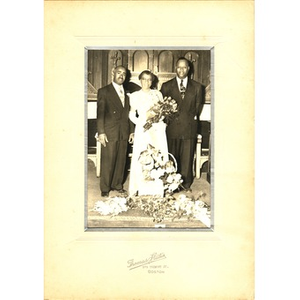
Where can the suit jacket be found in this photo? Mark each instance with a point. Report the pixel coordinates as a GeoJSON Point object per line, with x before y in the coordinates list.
{"type": "Point", "coordinates": [185, 123]}
{"type": "Point", "coordinates": [112, 117]}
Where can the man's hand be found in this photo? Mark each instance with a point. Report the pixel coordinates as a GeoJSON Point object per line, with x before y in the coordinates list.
{"type": "Point", "coordinates": [103, 139]}
{"type": "Point", "coordinates": [131, 138]}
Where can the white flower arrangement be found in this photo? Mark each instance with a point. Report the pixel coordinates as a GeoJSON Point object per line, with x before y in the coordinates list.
{"type": "Point", "coordinates": [170, 207]}
{"type": "Point", "coordinates": [154, 168]}
{"type": "Point", "coordinates": [112, 206]}
{"type": "Point", "coordinates": [195, 209]}
{"type": "Point", "coordinates": [159, 208]}
{"type": "Point", "coordinates": [158, 175]}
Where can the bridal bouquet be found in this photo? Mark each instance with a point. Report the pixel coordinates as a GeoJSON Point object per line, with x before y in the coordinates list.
{"type": "Point", "coordinates": [163, 109]}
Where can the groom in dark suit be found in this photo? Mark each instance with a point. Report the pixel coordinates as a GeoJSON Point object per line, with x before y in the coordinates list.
{"type": "Point", "coordinates": [182, 129]}
{"type": "Point", "coordinates": [115, 130]}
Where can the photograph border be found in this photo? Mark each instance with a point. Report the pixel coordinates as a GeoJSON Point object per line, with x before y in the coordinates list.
{"type": "Point", "coordinates": [157, 227]}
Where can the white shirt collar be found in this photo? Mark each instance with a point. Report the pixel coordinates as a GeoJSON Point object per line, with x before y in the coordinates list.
{"type": "Point", "coordinates": [117, 87]}
{"type": "Point", "coordinates": [185, 80]}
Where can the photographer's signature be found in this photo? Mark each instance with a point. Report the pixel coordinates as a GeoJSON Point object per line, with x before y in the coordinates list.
{"type": "Point", "coordinates": [132, 264]}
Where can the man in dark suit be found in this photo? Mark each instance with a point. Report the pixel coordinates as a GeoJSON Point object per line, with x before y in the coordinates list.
{"type": "Point", "coordinates": [115, 130]}
{"type": "Point", "coordinates": [182, 129]}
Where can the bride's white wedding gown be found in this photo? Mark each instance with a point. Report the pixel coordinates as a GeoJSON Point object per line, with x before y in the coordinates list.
{"type": "Point", "coordinates": [140, 103]}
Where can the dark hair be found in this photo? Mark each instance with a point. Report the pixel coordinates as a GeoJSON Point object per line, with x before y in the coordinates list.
{"type": "Point", "coordinates": [147, 72]}
{"type": "Point", "coordinates": [154, 84]}
{"type": "Point", "coordinates": [119, 66]}
{"type": "Point", "coordinates": [183, 58]}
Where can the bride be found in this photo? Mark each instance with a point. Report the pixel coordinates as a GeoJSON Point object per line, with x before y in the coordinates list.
{"type": "Point", "coordinates": [140, 103]}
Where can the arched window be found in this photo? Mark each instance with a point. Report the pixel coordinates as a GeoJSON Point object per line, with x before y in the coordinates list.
{"type": "Point", "coordinates": [140, 61]}
{"type": "Point", "coordinates": [166, 62]}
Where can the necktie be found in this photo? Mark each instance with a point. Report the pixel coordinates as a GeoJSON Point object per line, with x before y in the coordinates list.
{"type": "Point", "coordinates": [182, 89]}
{"type": "Point", "coordinates": [122, 96]}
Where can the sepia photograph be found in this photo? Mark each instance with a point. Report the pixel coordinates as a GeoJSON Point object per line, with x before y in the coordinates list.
{"type": "Point", "coordinates": [149, 169]}
{"type": "Point", "coordinates": [149, 138]}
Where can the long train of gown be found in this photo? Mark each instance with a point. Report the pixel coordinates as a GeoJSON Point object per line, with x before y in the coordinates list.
{"type": "Point", "coordinates": [141, 102]}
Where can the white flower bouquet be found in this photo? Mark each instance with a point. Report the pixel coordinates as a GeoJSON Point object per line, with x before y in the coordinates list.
{"type": "Point", "coordinates": [162, 110]}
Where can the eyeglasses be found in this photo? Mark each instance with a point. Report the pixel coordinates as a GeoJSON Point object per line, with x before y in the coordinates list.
{"type": "Point", "coordinates": [146, 79]}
